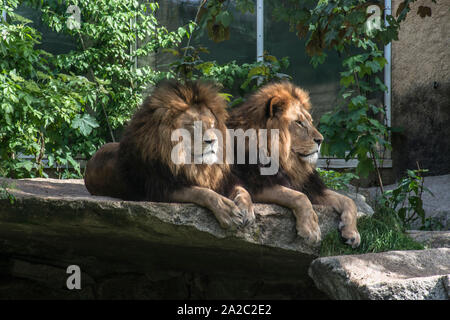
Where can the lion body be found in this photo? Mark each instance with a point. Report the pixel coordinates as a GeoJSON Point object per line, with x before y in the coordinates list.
{"type": "Point", "coordinates": [297, 185]}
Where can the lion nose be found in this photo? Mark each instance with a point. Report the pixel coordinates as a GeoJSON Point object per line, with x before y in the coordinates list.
{"type": "Point", "coordinates": [318, 141]}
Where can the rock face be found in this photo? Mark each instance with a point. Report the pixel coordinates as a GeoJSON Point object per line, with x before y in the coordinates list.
{"type": "Point", "coordinates": [431, 239]}
{"type": "Point", "coordinates": [421, 90]}
{"type": "Point", "coordinates": [411, 275]}
{"type": "Point", "coordinates": [144, 249]}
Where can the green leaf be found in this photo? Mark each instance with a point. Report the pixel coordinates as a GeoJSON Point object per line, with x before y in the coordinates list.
{"type": "Point", "coordinates": [359, 100]}
{"type": "Point", "coordinates": [374, 66]}
{"type": "Point", "coordinates": [84, 124]}
{"type": "Point", "coordinates": [225, 18]}
{"type": "Point", "coordinates": [347, 81]}
{"type": "Point", "coordinates": [25, 164]}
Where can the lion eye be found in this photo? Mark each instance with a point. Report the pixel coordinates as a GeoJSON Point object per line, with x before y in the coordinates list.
{"type": "Point", "coordinates": [300, 123]}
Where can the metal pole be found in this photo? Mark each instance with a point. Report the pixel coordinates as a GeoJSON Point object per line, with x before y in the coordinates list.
{"type": "Point", "coordinates": [259, 30]}
{"type": "Point", "coordinates": [387, 68]}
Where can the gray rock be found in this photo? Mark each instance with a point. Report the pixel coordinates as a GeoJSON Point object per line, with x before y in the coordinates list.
{"type": "Point", "coordinates": [393, 275]}
{"type": "Point", "coordinates": [431, 239]}
{"type": "Point", "coordinates": [58, 223]}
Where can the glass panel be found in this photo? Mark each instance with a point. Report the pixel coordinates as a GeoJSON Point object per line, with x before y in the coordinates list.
{"type": "Point", "coordinates": [321, 82]}
{"type": "Point", "coordinates": [53, 42]}
{"type": "Point", "coordinates": [240, 47]}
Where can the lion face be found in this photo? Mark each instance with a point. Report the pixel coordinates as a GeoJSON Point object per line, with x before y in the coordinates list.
{"type": "Point", "coordinates": [287, 111]}
{"type": "Point", "coordinates": [305, 139]}
{"type": "Point", "coordinates": [202, 143]}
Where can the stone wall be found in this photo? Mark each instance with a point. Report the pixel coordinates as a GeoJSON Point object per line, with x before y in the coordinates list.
{"type": "Point", "coordinates": [421, 90]}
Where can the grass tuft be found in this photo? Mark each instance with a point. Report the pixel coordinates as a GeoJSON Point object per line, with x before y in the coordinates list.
{"type": "Point", "coordinates": [380, 232]}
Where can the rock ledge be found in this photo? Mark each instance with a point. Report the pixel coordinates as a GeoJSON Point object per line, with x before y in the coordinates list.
{"type": "Point", "coordinates": [56, 223]}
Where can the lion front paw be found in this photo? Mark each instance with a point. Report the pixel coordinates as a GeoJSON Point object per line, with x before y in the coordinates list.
{"type": "Point", "coordinates": [308, 228]}
{"type": "Point", "coordinates": [227, 213]}
{"type": "Point", "coordinates": [245, 204]}
{"type": "Point", "coordinates": [350, 235]}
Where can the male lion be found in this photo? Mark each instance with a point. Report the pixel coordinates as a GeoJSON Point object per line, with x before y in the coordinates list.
{"type": "Point", "coordinates": [297, 185]}
{"type": "Point", "coordinates": [141, 166]}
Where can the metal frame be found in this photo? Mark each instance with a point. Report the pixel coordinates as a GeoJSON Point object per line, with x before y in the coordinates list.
{"type": "Point", "coordinates": [259, 30]}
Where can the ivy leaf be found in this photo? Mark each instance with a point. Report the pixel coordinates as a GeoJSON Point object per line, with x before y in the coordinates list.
{"type": "Point", "coordinates": [85, 124]}
{"type": "Point", "coordinates": [225, 18]}
{"type": "Point", "coordinates": [381, 84]}
{"type": "Point", "coordinates": [359, 100]}
{"type": "Point", "coordinates": [374, 66]}
{"type": "Point", "coordinates": [226, 96]}
{"type": "Point", "coordinates": [26, 164]}
{"type": "Point", "coordinates": [330, 36]}
{"type": "Point", "coordinates": [347, 81]}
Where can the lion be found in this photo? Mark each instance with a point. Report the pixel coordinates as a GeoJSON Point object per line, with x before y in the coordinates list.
{"type": "Point", "coordinates": [296, 185]}
{"type": "Point", "coordinates": [144, 167]}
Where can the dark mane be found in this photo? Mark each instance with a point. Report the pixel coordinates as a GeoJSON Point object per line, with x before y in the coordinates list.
{"type": "Point", "coordinates": [144, 154]}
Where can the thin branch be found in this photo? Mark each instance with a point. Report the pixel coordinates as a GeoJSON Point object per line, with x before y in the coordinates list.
{"type": "Point", "coordinates": [380, 181]}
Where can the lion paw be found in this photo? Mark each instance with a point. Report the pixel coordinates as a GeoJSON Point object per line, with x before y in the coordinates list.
{"type": "Point", "coordinates": [246, 206]}
{"type": "Point", "coordinates": [227, 213]}
{"type": "Point", "coordinates": [350, 235]}
{"type": "Point", "coordinates": [308, 228]}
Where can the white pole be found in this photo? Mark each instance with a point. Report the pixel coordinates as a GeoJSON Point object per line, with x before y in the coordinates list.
{"type": "Point", "coordinates": [387, 68]}
{"type": "Point", "coordinates": [259, 30]}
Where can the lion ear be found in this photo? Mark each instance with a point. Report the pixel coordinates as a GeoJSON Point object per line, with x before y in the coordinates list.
{"type": "Point", "coordinates": [274, 106]}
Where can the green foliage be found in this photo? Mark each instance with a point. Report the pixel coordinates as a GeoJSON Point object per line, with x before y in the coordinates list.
{"type": "Point", "coordinates": [107, 52]}
{"type": "Point", "coordinates": [229, 74]}
{"type": "Point", "coordinates": [235, 79]}
{"type": "Point", "coordinates": [5, 194]}
{"type": "Point", "coordinates": [406, 199]}
{"type": "Point", "coordinates": [357, 128]}
{"type": "Point", "coordinates": [249, 76]}
{"type": "Point", "coordinates": [379, 233]}
{"type": "Point", "coordinates": [215, 19]}
{"type": "Point", "coordinates": [336, 180]}
{"type": "Point", "coordinates": [64, 107]}
{"type": "Point", "coordinates": [38, 106]}
{"type": "Point", "coordinates": [188, 62]}
{"type": "Point", "coordinates": [265, 71]}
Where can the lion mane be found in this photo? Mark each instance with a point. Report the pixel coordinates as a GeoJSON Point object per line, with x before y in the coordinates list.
{"type": "Point", "coordinates": [140, 166]}
{"type": "Point", "coordinates": [256, 113]}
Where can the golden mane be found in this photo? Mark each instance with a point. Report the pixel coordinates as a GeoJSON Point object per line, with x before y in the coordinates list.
{"type": "Point", "coordinates": [149, 131]}
{"type": "Point", "coordinates": [254, 113]}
